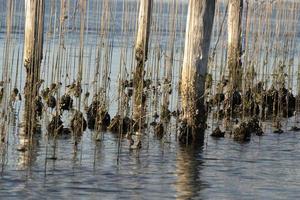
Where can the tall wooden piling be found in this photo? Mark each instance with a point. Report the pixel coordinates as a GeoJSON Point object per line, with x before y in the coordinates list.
{"type": "Point", "coordinates": [5, 68]}
{"type": "Point", "coordinates": [197, 41]}
{"type": "Point", "coordinates": [33, 54]}
{"type": "Point", "coordinates": [169, 57]}
{"type": "Point", "coordinates": [141, 51]}
{"type": "Point", "coordinates": [235, 9]}
{"type": "Point", "coordinates": [82, 5]}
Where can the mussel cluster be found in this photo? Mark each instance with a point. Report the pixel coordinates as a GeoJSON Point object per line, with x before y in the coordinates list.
{"type": "Point", "coordinates": [97, 116]}
{"type": "Point", "coordinates": [243, 131]}
{"type": "Point", "coordinates": [255, 101]}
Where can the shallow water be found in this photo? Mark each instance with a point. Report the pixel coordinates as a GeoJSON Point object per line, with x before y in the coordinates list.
{"type": "Point", "coordinates": [267, 167]}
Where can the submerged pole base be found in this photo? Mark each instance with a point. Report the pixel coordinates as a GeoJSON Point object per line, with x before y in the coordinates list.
{"type": "Point", "coordinates": [188, 134]}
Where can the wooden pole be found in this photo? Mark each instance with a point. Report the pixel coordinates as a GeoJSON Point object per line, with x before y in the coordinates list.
{"type": "Point", "coordinates": [33, 53]}
{"type": "Point", "coordinates": [5, 72]}
{"type": "Point", "coordinates": [169, 60]}
{"type": "Point", "coordinates": [197, 41]}
{"type": "Point", "coordinates": [235, 10]}
{"type": "Point", "coordinates": [81, 42]}
{"type": "Point", "coordinates": [141, 51]}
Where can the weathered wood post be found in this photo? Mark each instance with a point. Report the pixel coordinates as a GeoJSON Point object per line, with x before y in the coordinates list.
{"type": "Point", "coordinates": [82, 5]}
{"type": "Point", "coordinates": [197, 41]}
{"type": "Point", "coordinates": [141, 51]}
{"type": "Point", "coordinates": [235, 9]}
{"type": "Point", "coordinates": [5, 72]}
{"type": "Point", "coordinates": [33, 53]}
{"type": "Point", "coordinates": [167, 87]}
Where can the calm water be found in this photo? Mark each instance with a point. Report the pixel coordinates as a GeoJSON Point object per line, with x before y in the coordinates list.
{"type": "Point", "coordinates": [266, 168]}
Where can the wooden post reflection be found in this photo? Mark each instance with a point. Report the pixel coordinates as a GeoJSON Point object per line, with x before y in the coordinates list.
{"type": "Point", "coordinates": [188, 170]}
{"type": "Point", "coordinates": [27, 149]}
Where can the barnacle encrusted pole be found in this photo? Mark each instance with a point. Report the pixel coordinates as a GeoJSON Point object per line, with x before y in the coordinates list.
{"type": "Point", "coordinates": [197, 41]}
{"type": "Point", "coordinates": [141, 51]}
{"type": "Point", "coordinates": [33, 53]}
{"type": "Point", "coordinates": [235, 9]}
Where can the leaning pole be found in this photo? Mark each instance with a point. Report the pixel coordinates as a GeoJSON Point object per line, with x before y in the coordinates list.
{"type": "Point", "coordinates": [197, 41]}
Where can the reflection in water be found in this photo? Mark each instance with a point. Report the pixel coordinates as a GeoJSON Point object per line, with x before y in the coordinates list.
{"type": "Point", "coordinates": [28, 147]}
{"type": "Point", "coordinates": [98, 156]}
{"type": "Point", "coordinates": [188, 168]}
